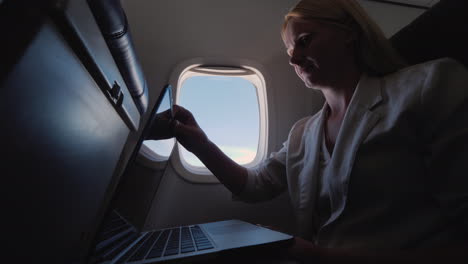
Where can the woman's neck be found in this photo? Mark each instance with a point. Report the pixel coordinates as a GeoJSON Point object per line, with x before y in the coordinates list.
{"type": "Point", "coordinates": [338, 96]}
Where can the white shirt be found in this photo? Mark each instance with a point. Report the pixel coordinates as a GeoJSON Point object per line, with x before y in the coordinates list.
{"type": "Point", "coordinates": [398, 176]}
{"type": "Point", "coordinates": [325, 184]}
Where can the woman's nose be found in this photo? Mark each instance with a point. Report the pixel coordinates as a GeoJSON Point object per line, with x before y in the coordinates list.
{"type": "Point", "coordinates": [296, 58]}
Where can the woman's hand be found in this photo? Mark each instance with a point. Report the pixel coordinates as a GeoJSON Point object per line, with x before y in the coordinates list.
{"type": "Point", "coordinates": [186, 130]}
{"type": "Point", "coordinates": [300, 249]}
{"type": "Point", "coordinates": [161, 127]}
{"type": "Point", "coordinates": [182, 126]}
{"type": "Point", "coordinates": [303, 250]}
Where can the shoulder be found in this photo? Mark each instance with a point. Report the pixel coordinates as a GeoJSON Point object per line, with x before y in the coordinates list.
{"type": "Point", "coordinates": [438, 75]}
{"type": "Point", "coordinates": [428, 70]}
{"type": "Point", "coordinates": [438, 88]}
{"type": "Point", "coordinates": [416, 80]}
{"type": "Point", "coordinates": [439, 65]}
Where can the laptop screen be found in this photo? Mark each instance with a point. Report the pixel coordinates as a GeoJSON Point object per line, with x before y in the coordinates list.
{"type": "Point", "coordinates": [116, 227]}
{"type": "Point", "coordinates": [159, 149]}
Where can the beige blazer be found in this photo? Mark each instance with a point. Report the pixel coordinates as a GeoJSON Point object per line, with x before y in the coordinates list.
{"type": "Point", "coordinates": [399, 170]}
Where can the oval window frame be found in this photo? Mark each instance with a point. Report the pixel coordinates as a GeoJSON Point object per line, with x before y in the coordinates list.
{"type": "Point", "coordinates": [232, 68]}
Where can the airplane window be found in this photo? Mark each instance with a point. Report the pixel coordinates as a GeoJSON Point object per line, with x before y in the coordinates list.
{"type": "Point", "coordinates": [226, 108]}
{"type": "Point", "coordinates": [161, 149]}
{"type": "Point", "coordinates": [225, 103]}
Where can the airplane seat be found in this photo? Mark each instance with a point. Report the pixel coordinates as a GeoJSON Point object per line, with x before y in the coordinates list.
{"type": "Point", "coordinates": [439, 32]}
{"type": "Point", "coordinates": [113, 24]}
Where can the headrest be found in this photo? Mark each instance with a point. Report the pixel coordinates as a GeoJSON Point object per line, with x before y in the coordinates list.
{"type": "Point", "coordinates": [441, 31]}
{"type": "Point", "coordinates": [112, 21]}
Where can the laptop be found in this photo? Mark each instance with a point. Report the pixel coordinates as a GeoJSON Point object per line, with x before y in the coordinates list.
{"type": "Point", "coordinates": [118, 241]}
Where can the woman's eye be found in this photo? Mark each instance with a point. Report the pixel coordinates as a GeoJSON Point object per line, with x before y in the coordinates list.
{"type": "Point", "coordinates": [304, 40]}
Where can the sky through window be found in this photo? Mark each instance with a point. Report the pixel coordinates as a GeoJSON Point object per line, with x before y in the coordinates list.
{"type": "Point", "coordinates": [226, 108]}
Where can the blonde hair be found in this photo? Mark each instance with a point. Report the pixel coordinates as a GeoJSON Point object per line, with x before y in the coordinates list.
{"type": "Point", "coordinates": [375, 55]}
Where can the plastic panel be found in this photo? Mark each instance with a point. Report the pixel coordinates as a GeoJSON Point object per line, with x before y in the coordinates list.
{"type": "Point", "coordinates": [61, 143]}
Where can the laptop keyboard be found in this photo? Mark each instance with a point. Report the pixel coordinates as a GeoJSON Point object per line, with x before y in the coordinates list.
{"type": "Point", "coordinates": [169, 242]}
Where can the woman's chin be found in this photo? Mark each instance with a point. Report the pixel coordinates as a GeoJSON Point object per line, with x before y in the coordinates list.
{"type": "Point", "coordinates": [314, 87]}
{"type": "Point", "coordinates": [311, 84]}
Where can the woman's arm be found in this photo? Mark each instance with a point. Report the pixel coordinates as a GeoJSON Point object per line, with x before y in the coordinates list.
{"type": "Point", "coordinates": [270, 176]}
{"type": "Point", "coordinates": [192, 137]}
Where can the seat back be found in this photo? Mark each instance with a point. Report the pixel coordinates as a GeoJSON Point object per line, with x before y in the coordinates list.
{"type": "Point", "coordinates": [441, 31]}
{"type": "Point", "coordinates": [64, 128]}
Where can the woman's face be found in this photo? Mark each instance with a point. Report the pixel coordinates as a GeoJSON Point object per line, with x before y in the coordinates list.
{"type": "Point", "coordinates": [320, 52]}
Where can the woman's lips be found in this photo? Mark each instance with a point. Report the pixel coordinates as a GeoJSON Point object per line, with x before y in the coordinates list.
{"type": "Point", "coordinates": [308, 68]}
{"type": "Point", "coordinates": [305, 69]}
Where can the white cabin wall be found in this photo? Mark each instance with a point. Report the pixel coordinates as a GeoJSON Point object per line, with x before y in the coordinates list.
{"type": "Point", "coordinates": [168, 32]}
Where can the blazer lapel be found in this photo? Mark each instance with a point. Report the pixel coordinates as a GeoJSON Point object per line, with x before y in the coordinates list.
{"type": "Point", "coordinates": [303, 189]}
{"type": "Point", "coordinates": [359, 120]}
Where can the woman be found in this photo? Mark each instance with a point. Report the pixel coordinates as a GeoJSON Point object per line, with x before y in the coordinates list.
{"type": "Point", "coordinates": [377, 169]}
